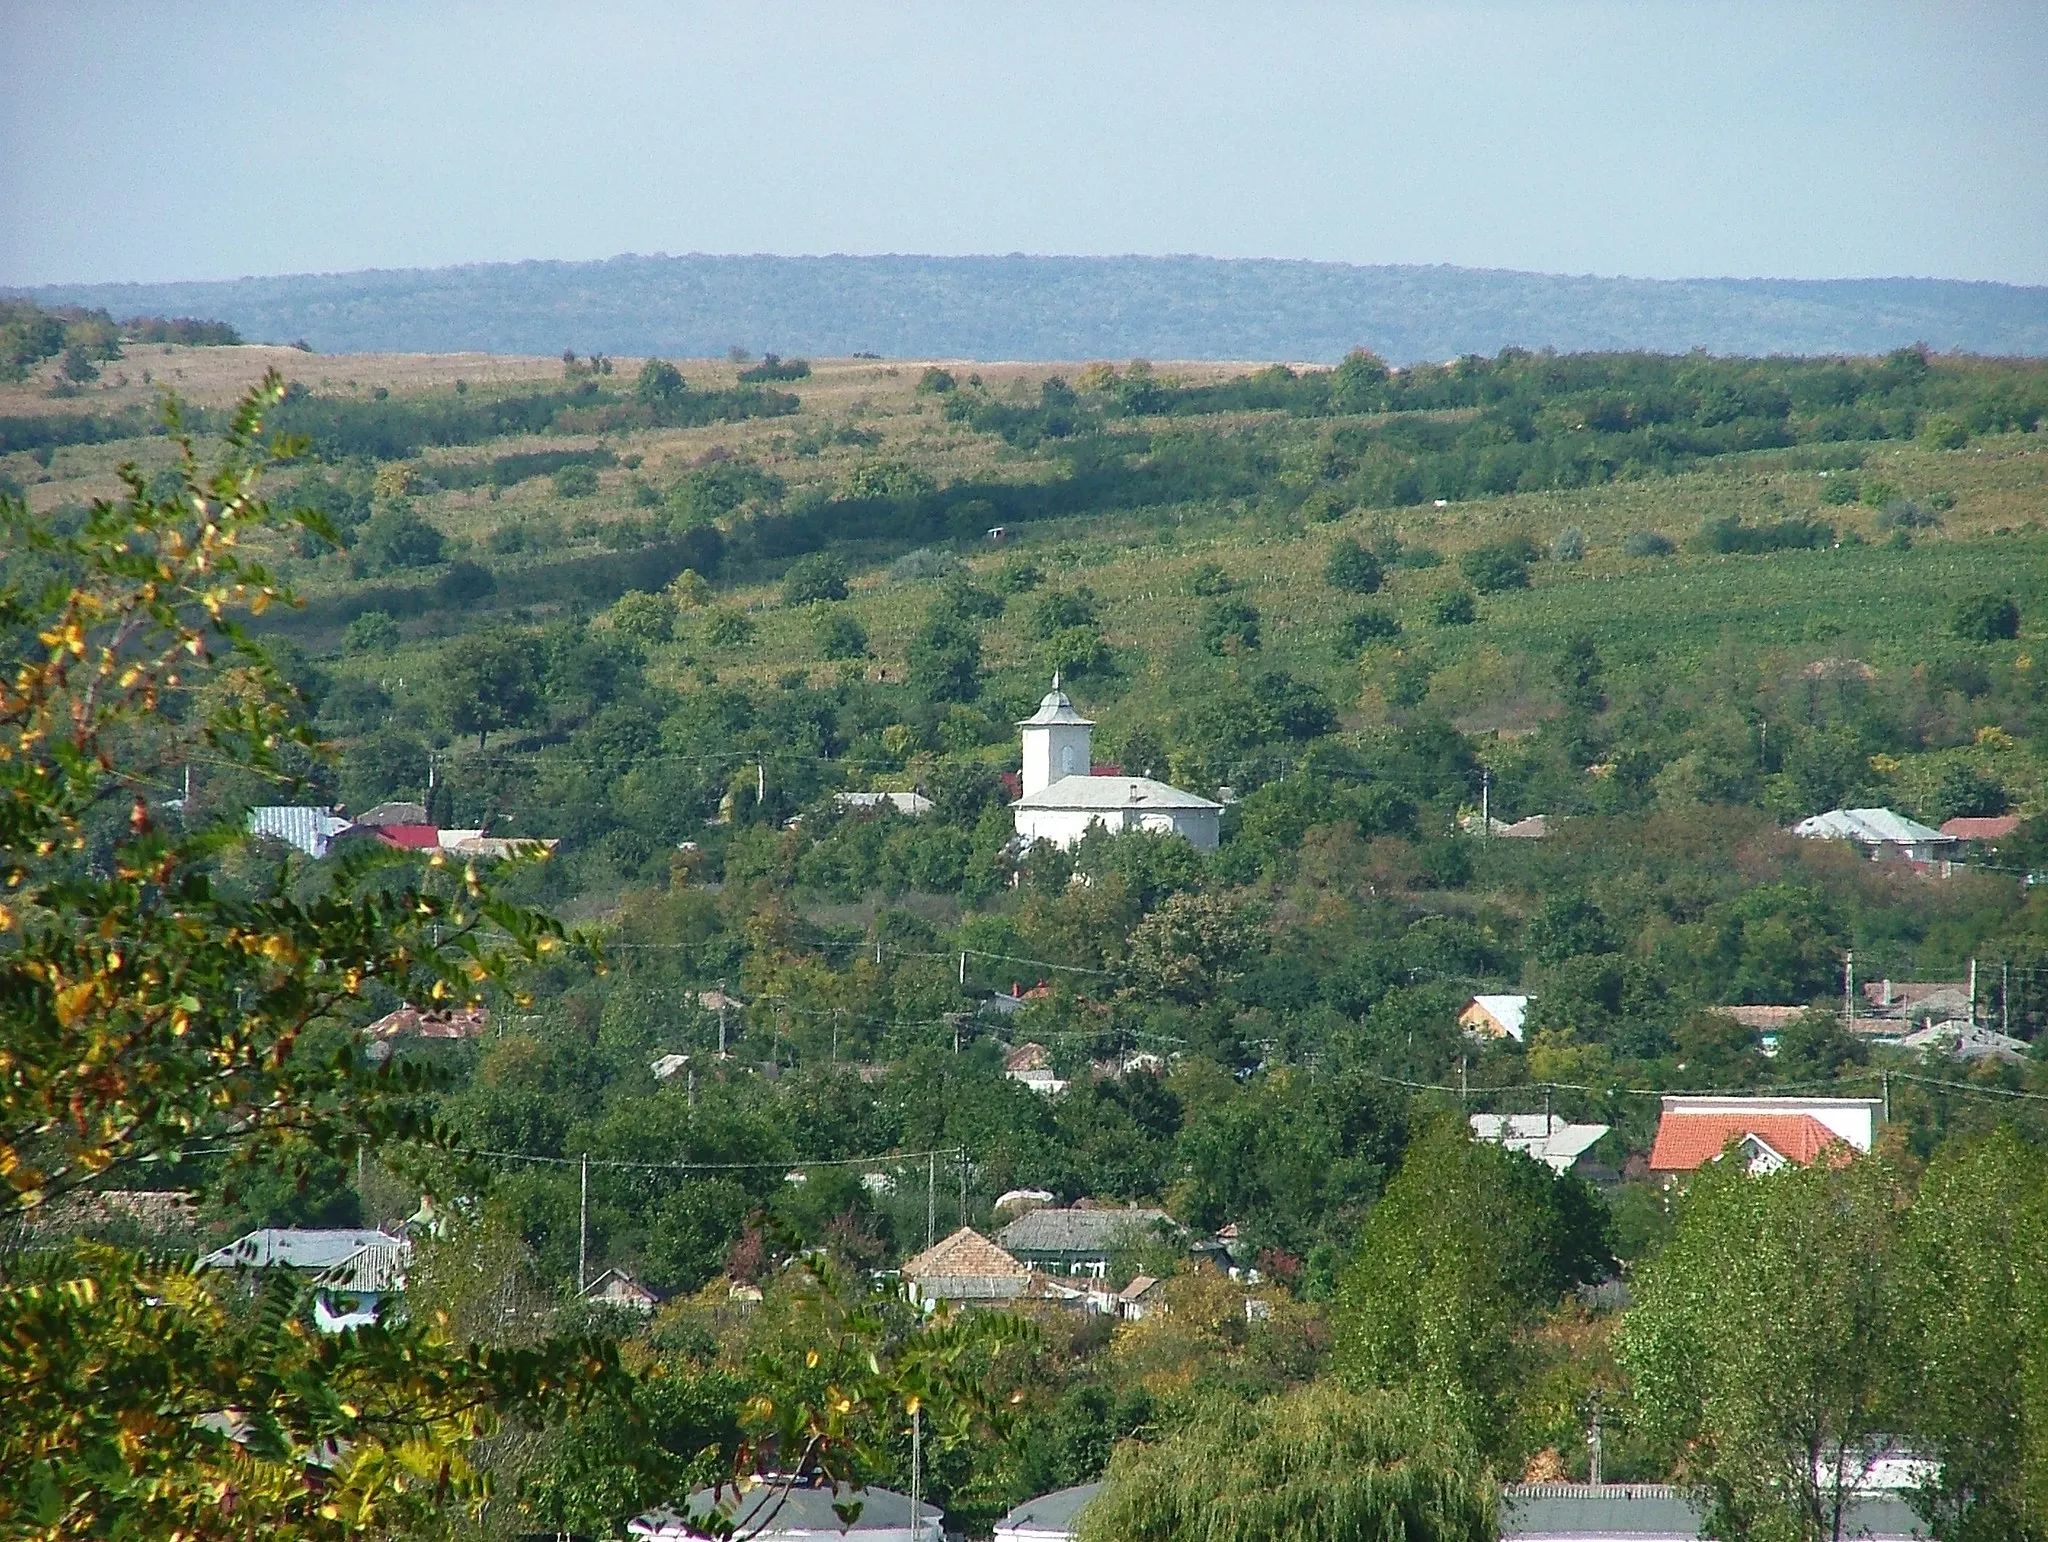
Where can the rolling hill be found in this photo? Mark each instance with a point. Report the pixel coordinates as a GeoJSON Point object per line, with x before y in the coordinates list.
{"type": "Point", "coordinates": [1042, 308]}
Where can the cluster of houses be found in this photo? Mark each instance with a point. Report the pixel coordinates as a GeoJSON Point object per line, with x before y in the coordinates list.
{"type": "Point", "coordinates": [317, 830]}
{"type": "Point", "coordinates": [1061, 1255]}
{"type": "Point", "coordinates": [1886, 836]}
{"type": "Point", "coordinates": [1931, 1018]}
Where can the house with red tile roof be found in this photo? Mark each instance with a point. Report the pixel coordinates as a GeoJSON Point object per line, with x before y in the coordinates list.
{"type": "Point", "coordinates": [1766, 1133]}
{"type": "Point", "coordinates": [1964, 828]}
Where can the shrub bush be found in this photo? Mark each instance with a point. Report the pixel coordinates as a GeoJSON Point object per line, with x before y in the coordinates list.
{"type": "Point", "coordinates": [1020, 575]}
{"type": "Point", "coordinates": [839, 635]}
{"type": "Point", "coordinates": [1453, 607]}
{"type": "Point", "coordinates": [1231, 626]}
{"type": "Point", "coordinates": [927, 562]}
{"type": "Point", "coordinates": [1648, 543]}
{"type": "Point", "coordinates": [395, 537]}
{"type": "Point", "coordinates": [1730, 535]}
{"type": "Point", "coordinates": [1984, 618]}
{"type": "Point", "coordinates": [1942, 431]}
{"type": "Point", "coordinates": [374, 631]}
{"type": "Point", "coordinates": [1361, 630]}
{"type": "Point", "coordinates": [730, 629]}
{"type": "Point", "coordinates": [1568, 545]}
{"type": "Point", "coordinates": [1353, 569]}
{"type": "Point", "coordinates": [820, 576]}
{"type": "Point", "coordinates": [651, 618]}
{"type": "Point", "coordinates": [1493, 569]}
{"type": "Point", "coordinates": [577, 481]}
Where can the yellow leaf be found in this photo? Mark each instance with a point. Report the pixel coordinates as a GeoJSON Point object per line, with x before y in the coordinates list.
{"type": "Point", "coordinates": [72, 1000]}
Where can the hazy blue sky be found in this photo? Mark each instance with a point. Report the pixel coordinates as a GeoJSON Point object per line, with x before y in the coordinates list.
{"type": "Point", "coordinates": [1801, 138]}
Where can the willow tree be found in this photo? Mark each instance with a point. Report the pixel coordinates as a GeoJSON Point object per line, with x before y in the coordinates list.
{"type": "Point", "coordinates": [1318, 1464]}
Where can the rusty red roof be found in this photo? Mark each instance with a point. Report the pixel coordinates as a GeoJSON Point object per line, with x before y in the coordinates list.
{"type": "Point", "coordinates": [412, 837]}
{"type": "Point", "coordinates": [1687, 1141]}
{"type": "Point", "coordinates": [1965, 829]}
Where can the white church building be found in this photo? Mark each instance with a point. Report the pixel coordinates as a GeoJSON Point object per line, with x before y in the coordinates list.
{"type": "Point", "coordinates": [1062, 799]}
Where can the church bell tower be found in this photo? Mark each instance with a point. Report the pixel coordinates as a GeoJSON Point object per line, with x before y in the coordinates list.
{"type": "Point", "coordinates": [1056, 741]}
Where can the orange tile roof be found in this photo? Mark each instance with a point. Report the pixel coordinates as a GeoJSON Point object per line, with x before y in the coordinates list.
{"type": "Point", "coordinates": [1686, 1141]}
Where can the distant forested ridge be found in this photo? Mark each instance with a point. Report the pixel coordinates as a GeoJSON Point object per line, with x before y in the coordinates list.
{"type": "Point", "coordinates": [1023, 307]}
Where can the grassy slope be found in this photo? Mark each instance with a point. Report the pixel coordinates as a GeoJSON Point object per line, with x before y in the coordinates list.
{"type": "Point", "coordinates": [1671, 614]}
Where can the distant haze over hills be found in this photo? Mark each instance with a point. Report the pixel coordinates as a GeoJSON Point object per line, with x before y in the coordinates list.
{"type": "Point", "coordinates": [1020, 307]}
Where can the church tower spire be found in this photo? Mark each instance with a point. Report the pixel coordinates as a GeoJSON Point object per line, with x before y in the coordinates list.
{"type": "Point", "coordinates": [1056, 741]}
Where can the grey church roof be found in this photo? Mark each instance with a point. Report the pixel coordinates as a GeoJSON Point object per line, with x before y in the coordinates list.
{"type": "Point", "coordinates": [1103, 794]}
{"type": "Point", "coordinates": [1055, 708]}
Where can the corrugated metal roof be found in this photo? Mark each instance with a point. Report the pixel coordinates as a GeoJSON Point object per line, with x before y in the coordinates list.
{"type": "Point", "coordinates": [1869, 826]}
{"type": "Point", "coordinates": [1508, 1011]}
{"type": "Point", "coordinates": [1656, 1512]}
{"type": "Point", "coordinates": [347, 1258]}
{"type": "Point", "coordinates": [310, 829]}
{"type": "Point", "coordinates": [1078, 1231]}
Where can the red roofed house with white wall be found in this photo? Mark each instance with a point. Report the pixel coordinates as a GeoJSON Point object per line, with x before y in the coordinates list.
{"type": "Point", "coordinates": [1768, 1132]}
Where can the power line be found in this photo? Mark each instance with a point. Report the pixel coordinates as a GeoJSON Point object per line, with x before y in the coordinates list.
{"type": "Point", "coordinates": [786, 1165]}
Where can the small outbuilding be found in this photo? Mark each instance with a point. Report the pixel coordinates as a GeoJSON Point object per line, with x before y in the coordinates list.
{"type": "Point", "coordinates": [1657, 1512]}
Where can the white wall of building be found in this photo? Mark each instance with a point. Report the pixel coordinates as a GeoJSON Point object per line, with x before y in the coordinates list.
{"type": "Point", "coordinates": [1201, 828]}
{"type": "Point", "coordinates": [1054, 750]}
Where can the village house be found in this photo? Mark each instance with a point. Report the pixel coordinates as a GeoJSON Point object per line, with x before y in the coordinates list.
{"type": "Point", "coordinates": [1884, 835]}
{"type": "Point", "coordinates": [1893, 1009]}
{"type": "Point", "coordinates": [966, 1267]}
{"type": "Point", "coordinates": [1062, 800]}
{"type": "Point", "coordinates": [354, 1271]}
{"type": "Point", "coordinates": [913, 805]}
{"type": "Point", "coordinates": [1985, 833]}
{"type": "Point", "coordinates": [1030, 1065]}
{"type": "Point", "coordinates": [615, 1287]}
{"type": "Point", "coordinates": [1080, 1240]}
{"type": "Point", "coordinates": [1494, 1017]}
{"type": "Point", "coordinates": [411, 1022]}
{"type": "Point", "coordinates": [1767, 1132]}
{"type": "Point", "coordinates": [1551, 1139]}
